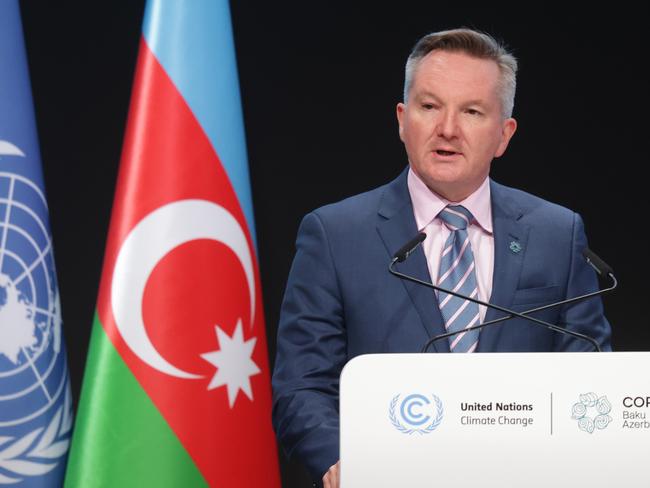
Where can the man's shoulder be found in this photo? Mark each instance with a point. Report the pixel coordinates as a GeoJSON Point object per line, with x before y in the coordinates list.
{"type": "Point", "coordinates": [362, 209]}
{"type": "Point", "coordinates": [354, 206]}
{"type": "Point", "coordinates": [530, 207]}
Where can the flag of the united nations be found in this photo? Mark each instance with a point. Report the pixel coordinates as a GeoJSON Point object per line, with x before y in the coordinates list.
{"type": "Point", "coordinates": [35, 401]}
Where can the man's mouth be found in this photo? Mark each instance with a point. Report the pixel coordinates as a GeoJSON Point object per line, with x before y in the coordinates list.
{"type": "Point", "coordinates": [442, 152]}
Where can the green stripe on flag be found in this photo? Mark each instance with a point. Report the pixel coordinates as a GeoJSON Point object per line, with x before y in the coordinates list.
{"type": "Point", "coordinates": [120, 438]}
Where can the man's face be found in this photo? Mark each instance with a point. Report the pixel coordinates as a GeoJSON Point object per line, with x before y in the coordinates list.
{"type": "Point", "coordinates": [452, 125]}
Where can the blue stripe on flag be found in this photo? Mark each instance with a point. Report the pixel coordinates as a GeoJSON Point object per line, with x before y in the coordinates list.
{"type": "Point", "coordinates": [198, 54]}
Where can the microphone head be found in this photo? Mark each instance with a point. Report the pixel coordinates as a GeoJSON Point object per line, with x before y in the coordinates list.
{"type": "Point", "coordinates": [601, 267]}
{"type": "Point", "coordinates": [406, 250]}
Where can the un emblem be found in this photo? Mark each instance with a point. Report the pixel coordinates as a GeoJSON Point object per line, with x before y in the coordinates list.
{"type": "Point", "coordinates": [35, 400]}
{"type": "Point", "coordinates": [416, 413]}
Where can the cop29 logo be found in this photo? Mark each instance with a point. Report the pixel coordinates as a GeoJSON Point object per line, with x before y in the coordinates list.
{"type": "Point", "coordinates": [416, 413]}
{"type": "Point", "coordinates": [592, 412]}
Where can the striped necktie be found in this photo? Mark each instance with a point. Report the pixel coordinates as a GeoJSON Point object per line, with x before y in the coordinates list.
{"type": "Point", "coordinates": [457, 274]}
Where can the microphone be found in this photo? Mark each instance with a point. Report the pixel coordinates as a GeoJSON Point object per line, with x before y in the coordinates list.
{"type": "Point", "coordinates": [598, 264]}
{"type": "Point", "coordinates": [406, 250]}
{"type": "Point", "coordinates": [601, 267]}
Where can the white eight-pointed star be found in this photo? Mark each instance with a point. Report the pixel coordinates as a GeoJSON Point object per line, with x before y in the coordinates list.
{"type": "Point", "coordinates": [234, 363]}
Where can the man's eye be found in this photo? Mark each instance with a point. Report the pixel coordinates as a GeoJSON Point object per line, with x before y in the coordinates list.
{"type": "Point", "coordinates": [472, 111]}
{"type": "Point", "coordinates": [427, 106]}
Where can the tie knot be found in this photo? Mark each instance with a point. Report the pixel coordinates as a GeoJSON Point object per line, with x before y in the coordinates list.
{"type": "Point", "coordinates": [455, 217]}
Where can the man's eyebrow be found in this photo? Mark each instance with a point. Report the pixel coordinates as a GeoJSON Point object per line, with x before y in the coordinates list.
{"type": "Point", "coordinates": [478, 101]}
{"type": "Point", "coordinates": [428, 94]}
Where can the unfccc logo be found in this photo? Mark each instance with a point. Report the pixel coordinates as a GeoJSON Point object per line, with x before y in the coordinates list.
{"type": "Point", "coordinates": [416, 413]}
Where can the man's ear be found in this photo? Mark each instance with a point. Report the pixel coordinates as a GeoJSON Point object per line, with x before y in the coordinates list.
{"type": "Point", "coordinates": [400, 109]}
{"type": "Point", "coordinates": [508, 130]}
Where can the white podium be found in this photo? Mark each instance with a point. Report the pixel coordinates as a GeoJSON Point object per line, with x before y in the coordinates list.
{"type": "Point", "coordinates": [496, 420]}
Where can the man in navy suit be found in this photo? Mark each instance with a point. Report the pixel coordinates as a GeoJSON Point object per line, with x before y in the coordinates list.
{"type": "Point", "coordinates": [341, 301]}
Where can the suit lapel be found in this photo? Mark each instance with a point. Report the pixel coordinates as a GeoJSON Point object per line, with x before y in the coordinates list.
{"type": "Point", "coordinates": [396, 226]}
{"type": "Point", "coordinates": [510, 240]}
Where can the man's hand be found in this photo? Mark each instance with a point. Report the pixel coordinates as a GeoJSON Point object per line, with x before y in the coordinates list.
{"type": "Point", "coordinates": [331, 478]}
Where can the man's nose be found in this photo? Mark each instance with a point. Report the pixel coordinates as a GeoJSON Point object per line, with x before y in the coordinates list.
{"type": "Point", "coordinates": [447, 124]}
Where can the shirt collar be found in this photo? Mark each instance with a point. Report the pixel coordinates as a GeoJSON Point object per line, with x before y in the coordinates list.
{"type": "Point", "coordinates": [427, 204]}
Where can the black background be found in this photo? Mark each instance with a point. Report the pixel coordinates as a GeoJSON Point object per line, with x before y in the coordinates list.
{"type": "Point", "coordinates": [319, 83]}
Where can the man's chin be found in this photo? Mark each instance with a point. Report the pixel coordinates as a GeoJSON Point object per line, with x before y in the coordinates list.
{"type": "Point", "coordinates": [442, 179]}
{"type": "Point", "coordinates": [449, 187]}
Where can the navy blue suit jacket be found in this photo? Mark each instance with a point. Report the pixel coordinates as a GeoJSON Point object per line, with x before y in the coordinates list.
{"type": "Point", "coordinates": [341, 301]}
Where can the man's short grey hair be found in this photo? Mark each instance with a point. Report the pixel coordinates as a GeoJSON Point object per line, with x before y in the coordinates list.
{"type": "Point", "coordinates": [473, 43]}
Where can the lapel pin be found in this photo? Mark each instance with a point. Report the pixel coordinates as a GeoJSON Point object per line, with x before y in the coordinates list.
{"type": "Point", "coordinates": [515, 247]}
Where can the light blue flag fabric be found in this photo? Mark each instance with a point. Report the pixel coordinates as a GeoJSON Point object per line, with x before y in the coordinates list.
{"type": "Point", "coordinates": [35, 400]}
{"type": "Point", "coordinates": [198, 54]}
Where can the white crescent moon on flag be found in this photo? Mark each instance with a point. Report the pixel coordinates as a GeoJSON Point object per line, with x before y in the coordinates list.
{"type": "Point", "coordinates": [151, 239]}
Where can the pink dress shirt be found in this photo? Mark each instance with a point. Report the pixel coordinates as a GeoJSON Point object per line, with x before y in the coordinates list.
{"type": "Point", "coordinates": [427, 205]}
